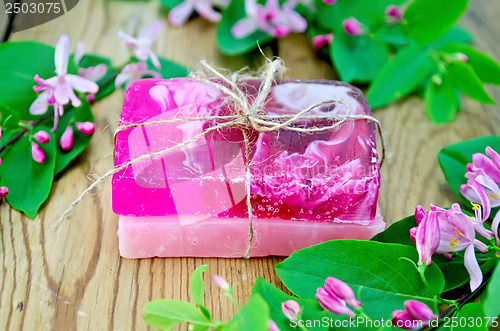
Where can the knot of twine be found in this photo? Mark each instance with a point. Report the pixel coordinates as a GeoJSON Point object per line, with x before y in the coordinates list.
{"type": "Point", "coordinates": [246, 116]}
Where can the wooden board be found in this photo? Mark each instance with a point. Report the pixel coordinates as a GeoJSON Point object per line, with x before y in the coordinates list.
{"type": "Point", "coordinates": [75, 279]}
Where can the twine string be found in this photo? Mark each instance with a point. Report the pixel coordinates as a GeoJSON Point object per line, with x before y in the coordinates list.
{"type": "Point", "coordinates": [245, 115]}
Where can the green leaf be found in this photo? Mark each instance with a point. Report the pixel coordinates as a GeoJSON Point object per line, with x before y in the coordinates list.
{"type": "Point", "coordinates": [164, 314]}
{"type": "Point", "coordinates": [358, 58]}
{"type": "Point", "coordinates": [426, 20]}
{"type": "Point", "coordinates": [196, 289]}
{"type": "Point", "coordinates": [400, 76]}
{"type": "Point", "coordinates": [310, 309]}
{"type": "Point", "coordinates": [376, 272]}
{"type": "Point", "coordinates": [229, 45]}
{"type": "Point", "coordinates": [20, 61]}
{"type": "Point", "coordinates": [486, 67]}
{"type": "Point", "coordinates": [453, 159]}
{"type": "Point", "coordinates": [464, 77]}
{"type": "Point", "coordinates": [253, 316]}
{"type": "Point", "coordinates": [491, 295]}
{"type": "Point", "coordinates": [29, 182]}
{"type": "Point", "coordinates": [9, 118]}
{"type": "Point", "coordinates": [80, 141]}
{"type": "Point", "coordinates": [470, 317]}
{"type": "Point", "coordinates": [398, 232]}
{"type": "Point", "coordinates": [440, 101]}
{"type": "Point", "coordinates": [168, 69]}
{"type": "Point", "coordinates": [456, 34]}
{"type": "Point", "coordinates": [169, 4]}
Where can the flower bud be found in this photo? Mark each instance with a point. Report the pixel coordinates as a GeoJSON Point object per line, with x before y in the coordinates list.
{"type": "Point", "coordinates": [3, 191]}
{"type": "Point", "coordinates": [42, 137]}
{"type": "Point", "coordinates": [462, 57]}
{"type": "Point", "coordinates": [352, 27]}
{"type": "Point", "coordinates": [87, 128]}
{"type": "Point", "coordinates": [413, 233]}
{"type": "Point", "coordinates": [420, 213]}
{"type": "Point", "coordinates": [332, 304]}
{"type": "Point", "coordinates": [37, 153]}
{"type": "Point", "coordinates": [418, 310]}
{"type": "Point", "coordinates": [402, 320]}
{"type": "Point", "coordinates": [291, 309]}
{"type": "Point", "coordinates": [336, 287]}
{"type": "Point", "coordinates": [66, 141]}
{"type": "Point", "coordinates": [221, 283]}
{"type": "Point", "coordinates": [393, 14]}
{"type": "Point", "coordinates": [90, 98]}
{"type": "Point", "coordinates": [320, 41]}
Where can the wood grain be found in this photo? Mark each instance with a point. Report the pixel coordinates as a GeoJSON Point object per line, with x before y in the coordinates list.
{"type": "Point", "coordinates": [74, 278]}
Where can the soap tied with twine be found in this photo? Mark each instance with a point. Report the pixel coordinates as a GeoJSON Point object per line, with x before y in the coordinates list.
{"type": "Point", "coordinates": [245, 115]}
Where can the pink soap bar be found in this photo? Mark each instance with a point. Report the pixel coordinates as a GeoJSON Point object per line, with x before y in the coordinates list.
{"type": "Point", "coordinates": [306, 188]}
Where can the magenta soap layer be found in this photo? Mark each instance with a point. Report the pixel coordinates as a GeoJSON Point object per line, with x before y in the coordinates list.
{"type": "Point", "coordinates": [324, 185]}
{"type": "Point", "coordinates": [163, 236]}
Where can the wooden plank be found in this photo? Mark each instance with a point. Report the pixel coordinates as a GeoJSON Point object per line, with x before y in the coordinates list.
{"type": "Point", "coordinates": [75, 279]}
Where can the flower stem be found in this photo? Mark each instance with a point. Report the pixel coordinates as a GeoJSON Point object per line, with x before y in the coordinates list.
{"type": "Point", "coordinates": [23, 131]}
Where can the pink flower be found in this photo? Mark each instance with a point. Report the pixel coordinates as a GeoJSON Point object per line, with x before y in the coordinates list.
{"type": "Point", "coordinates": [456, 233]}
{"type": "Point", "coordinates": [180, 13]}
{"type": "Point", "coordinates": [321, 40]}
{"type": "Point", "coordinates": [427, 238]}
{"type": "Point", "coordinates": [415, 316]}
{"type": "Point", "coordinates": [329, 2]}
{"type": "Point", "coordinates": [271, 326]}
{"type": "Point", "coordinates": [133, 72]}
{"type": "Point", "coordinates": [221, 283]}
{"type": "Point", "coordinates": [95, 73]}
{"type": "Point", "coordinates": [352, 27]}
{"type": "Point", "coordinates": [58, 90]}
{"type": "Point", "coordinates": [271, 18]}
{"type": "Point", "coordinates": [42, 137]}
{"type": "Point", "coordinates": [87, 128]}
{"type": "Point", "coordinates": [66, 141]}
{"type": "Point", "coordinates": [393, 14]}
{"type": "Point", "coordinates": [291, 309]}
{"type": "Point", "coordinates": [486, 171]}
{"type": "Point", "coordinates": [3, 191]}
{"type": "Point", "coordinates": [37, 153]}
{"type": "Point", "coordinates": [334, 297]}
{"type": "Point", "coordinates": [142, 44]}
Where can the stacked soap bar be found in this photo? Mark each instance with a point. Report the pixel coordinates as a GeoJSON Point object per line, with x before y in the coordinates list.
{"type": "Point", "coordinates": [306, 188]}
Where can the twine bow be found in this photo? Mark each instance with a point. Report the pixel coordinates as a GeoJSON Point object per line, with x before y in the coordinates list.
{"type": "Point", "coordinates": [246, 116]}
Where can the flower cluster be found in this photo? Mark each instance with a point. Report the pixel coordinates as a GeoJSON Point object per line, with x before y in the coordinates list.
{"type": "Point", "coordinates": [334, 297]}
{"type": "Point", "coordinates": [180, 13]}
{"type": "Point", "coordinates": [141, 48]}
{"type": "Point", "coordinates": [58, 91]}
{"type": "Point", "coordinates": [443, 231]}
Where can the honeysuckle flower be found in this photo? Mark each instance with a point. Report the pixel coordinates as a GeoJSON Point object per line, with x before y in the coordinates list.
{"type": "Point", "coordinates": [42, 137]}
{"type": "Point", "coordinates": [291, 309]}
{"type": "Point", "coordinates": [87, 128]}
{"type": "Point", "coordinates": [393, 14]}
{"type": "Point", "coordinates": [321, 40]}
{"type": "Point", "coordinates": [269, 18]}
{"type": "Point", "coordinates": [221, 283]}
{"type": "Point", "coordinates": [4, 191]}
{"type": "Point", "coordinates": [415, 315]}
{"type": "Point", "coordinates": [142, 44]}
{"type": "Point", "coordinates": [58, 90]}
{"type": "Point", "coordinates": [37, 153]}
{"type": "Point", "coordinates": [338, 288]}
{"type": "Point", "coordinates": [427, 238]}
{"type": "Point", "coordinates": [180, 13]}
{"type": "Point", "coordinates": [333, 304]}
{"type": "Point", "coordinates": [95, 73]}
{"type": "Point", "coordinates": [486, 171]}
{"type": "Point", "coordinates": [66, 141]}
{"type": "Point", "coordinates": [352, 27]}
{"type": "Point", "coordinates": [271, 326]}
{"type": "Point", "coordinates": [133, 72]}
{"type": "Point", "coordinates": [456, 233]}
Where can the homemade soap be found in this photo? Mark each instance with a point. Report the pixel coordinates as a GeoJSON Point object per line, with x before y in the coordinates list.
{"type": "Point", "coordinates": [306, 187]}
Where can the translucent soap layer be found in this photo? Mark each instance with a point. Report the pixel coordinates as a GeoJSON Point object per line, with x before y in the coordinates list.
{"type": "Point", "coordinates": [164, 237]}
